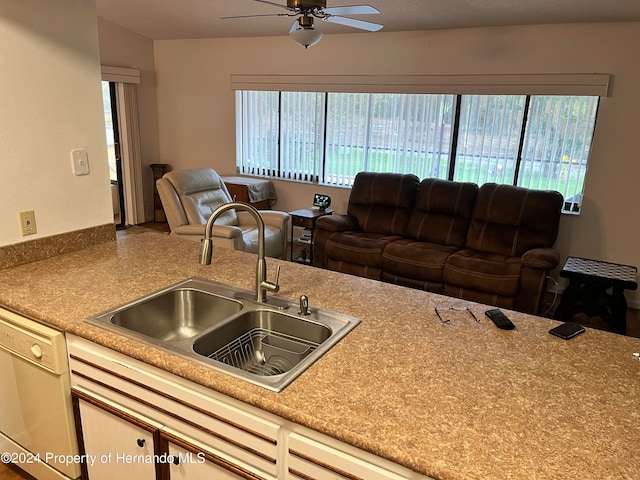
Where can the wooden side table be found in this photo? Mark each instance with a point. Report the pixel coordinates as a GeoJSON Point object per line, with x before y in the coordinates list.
{"type": "Point", "coordinates": [588, 291]}
{"type": "Point", "coordinates": [258, 192]}
{"type": "Point", "coordinates": [305, 218]}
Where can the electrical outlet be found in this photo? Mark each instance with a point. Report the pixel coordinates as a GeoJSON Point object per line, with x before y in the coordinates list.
{"type": "Point", "coordinates": [27, 222]}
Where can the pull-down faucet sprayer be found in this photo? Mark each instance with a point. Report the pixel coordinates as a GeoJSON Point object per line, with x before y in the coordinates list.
{"type": "Point", "coordinates": [206, 249]}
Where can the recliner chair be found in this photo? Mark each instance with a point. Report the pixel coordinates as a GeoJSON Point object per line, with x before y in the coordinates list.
{"type": "Point", "coordinates": [189, 197]}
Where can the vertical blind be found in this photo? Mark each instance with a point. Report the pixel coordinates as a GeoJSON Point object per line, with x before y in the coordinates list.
{"type": "Point", "coordinates": [540, 142]}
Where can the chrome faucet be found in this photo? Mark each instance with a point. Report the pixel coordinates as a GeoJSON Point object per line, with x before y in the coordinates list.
{"type": "Point", "coordinates": [206, 249]}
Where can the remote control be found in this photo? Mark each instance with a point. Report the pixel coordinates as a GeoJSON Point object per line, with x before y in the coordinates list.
{"type": "Point", "coordinates": [500, 319]}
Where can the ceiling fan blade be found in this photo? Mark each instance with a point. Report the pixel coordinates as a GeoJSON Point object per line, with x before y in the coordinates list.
{"type": "Point", "coordinates": [352, 22]}
{"type": "Point", "coordinates": [352, 10]}
{"type": "Point", "coordinates": [276, 4]}
{"type": "Point", "coordinates": [263, 15]}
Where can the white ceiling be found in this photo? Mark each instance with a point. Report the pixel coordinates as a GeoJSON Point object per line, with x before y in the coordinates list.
{"type": "Point", "coordinates": [176, 19]}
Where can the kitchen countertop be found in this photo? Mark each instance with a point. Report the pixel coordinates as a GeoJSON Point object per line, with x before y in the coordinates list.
{"type": "Point", "coordinates": [461, 400]}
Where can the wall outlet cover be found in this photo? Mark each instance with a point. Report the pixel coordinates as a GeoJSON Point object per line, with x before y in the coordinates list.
{"type": "Point", "coordinates": [27, 222]}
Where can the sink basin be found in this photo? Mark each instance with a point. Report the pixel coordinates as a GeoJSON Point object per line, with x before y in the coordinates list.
{"type": "Point", "coordinates": [263, 342]}
{"type": "Point", "coordinates": [176, 315]}
{"type": "Point", "coordinates": [173, 314]}
{"type": "Point", "coordinates": [222, 327]}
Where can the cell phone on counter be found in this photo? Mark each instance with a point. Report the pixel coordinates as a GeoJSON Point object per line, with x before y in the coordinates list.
{"type": "Point", "coordinates": [567, 330]}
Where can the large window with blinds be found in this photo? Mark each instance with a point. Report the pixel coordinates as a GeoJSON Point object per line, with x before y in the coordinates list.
{"type": "Point", "coordinates": [535, 141]}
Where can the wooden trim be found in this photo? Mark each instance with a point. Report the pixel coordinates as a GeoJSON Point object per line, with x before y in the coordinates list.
{"type": "Point", "coordinates": [75, 402]}
{"type": "Point", "coordinates": [211, 457]}
{"type": "Point", "coordinates": [324, 465]}
{"type": "Point", "coordinates": [301, 475]}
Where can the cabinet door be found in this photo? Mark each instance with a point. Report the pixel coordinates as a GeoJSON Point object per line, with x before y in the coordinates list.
{"type": "Point", "coordinates": [189, 462]}
{"type": "Point", "coordinates": [117, 444]}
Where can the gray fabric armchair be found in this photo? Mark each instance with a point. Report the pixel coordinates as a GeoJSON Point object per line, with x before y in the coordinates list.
{"type": "Point", "coordinates": [190, 196]}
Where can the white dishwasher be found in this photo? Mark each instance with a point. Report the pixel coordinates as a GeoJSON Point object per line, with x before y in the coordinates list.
{"type": "Point", "coordinates": [37, 431]}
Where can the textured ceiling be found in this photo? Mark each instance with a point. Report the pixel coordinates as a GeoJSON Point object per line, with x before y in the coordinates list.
{"type": "Point", "coordinates": [175, 19]}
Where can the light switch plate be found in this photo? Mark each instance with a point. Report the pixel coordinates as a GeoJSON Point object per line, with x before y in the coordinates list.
{"type": "Point", "coordinates": [80, 162]}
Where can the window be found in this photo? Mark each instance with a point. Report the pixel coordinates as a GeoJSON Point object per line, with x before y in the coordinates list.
{"type": "Point", "coordinates": [535, 141]}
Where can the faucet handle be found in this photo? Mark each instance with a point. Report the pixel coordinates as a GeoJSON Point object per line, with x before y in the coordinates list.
{"type": "Point", "coordinates": [271, 286]}
{"type": "Point", "coordinates": [277, 281]}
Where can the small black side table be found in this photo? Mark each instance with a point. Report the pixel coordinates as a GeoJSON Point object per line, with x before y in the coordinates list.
{"type": "Point", "coordinates": [306, 218]}
{"type": "Point", "coordinates": [589, 282]}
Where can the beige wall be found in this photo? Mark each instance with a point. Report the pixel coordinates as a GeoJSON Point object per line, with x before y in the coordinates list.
{"type": "Point", "coordinates": [122, 48]}
{"type": "Point", "coordinates": [196, 104]}
{"type": "Point", "coordinates": [51, 103]}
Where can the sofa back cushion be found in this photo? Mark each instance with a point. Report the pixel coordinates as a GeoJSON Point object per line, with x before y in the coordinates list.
{"type": "Point", "coordinates": [442, 212]}
{"type": "Point", "coordinates": [382, 202]}
{"type": "Point", "coordinates": [510, 220]}
{"type": "Point", "coordinates": [201, 191]}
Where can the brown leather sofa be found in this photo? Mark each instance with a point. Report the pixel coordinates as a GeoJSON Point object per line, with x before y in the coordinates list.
{"type": "Point", "coordinates": [492, 244]}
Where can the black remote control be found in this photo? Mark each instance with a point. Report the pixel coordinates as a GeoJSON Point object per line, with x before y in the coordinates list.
{"type": "Point", "coordinates": [500, 319]}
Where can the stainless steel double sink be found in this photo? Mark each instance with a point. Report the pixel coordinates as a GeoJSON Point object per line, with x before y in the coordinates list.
{"type": "Point", "coordinates": [215, 324]}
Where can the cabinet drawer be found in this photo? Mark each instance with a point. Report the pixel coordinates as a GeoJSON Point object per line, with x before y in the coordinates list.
{"type": "Point", "coordinates": [309, 459]}
{"type": "Point", "coordinates": [303, 221]}
{"type": "Point", "coordinates": [189, 459]}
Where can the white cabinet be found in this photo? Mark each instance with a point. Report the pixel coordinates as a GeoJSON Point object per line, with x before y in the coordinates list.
{"type": "Point", "coordinates": [120, 443]}
{"type": "Point", "coordinates": [188, 461]}
{"type": "Point", "coordinates": [117, 444]}
{"type": "Point", "coordinates": [210, 434]}
{"type": "Point", "coordinates": [234, 442]}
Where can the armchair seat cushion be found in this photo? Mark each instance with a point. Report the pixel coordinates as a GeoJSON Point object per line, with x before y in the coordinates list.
{"type": "Point", "coordinates": [484, 272]}
{"type": "Point", "coordinates": [273, 240]}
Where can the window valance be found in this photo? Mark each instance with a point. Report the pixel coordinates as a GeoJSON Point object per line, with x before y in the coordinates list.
{"type": "Point", "coordinates": [593, 84]}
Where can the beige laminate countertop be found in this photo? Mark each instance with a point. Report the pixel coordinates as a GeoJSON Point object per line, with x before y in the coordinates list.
{"type": "Point", "coordinates": [453, 401]}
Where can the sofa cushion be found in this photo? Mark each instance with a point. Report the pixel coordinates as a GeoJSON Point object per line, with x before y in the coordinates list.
{"type": "Point", "coordinates": [442, 211]}
{"type": "Point", "coordinates": [381, 202]}
{"type": "Point", "coordinates": [483, 272]}
{"type": "Point", "coordinates": [511, 220]}
{"type": "Point", "coordinates": [360, 248]}
{"type": "Point", "coordinates": [421, 261]}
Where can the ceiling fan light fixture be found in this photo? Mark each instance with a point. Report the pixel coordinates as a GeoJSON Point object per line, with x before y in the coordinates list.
{"type": "Point", "coordinates": [306, 36]}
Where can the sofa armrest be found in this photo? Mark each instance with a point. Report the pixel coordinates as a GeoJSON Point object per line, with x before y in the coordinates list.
{"type": "Point", "coordinates": [337, 223]}
{"type": "Point", "coordinates": [543, 258]}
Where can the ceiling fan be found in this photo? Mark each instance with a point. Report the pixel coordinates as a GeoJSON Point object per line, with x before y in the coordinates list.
{"type": "Point", "coordinates": [303, 32]}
